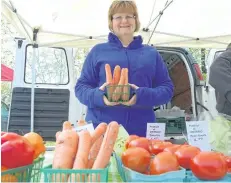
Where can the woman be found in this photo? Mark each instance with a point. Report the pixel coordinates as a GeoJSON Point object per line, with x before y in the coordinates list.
{"type": "Point", "coordinates": [148, 75]}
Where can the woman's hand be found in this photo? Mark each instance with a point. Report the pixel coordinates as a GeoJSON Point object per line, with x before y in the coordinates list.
{"type": "Point", "coordinates": [106, 101]}
{"type": "Point", "coordinates": [132, 101]}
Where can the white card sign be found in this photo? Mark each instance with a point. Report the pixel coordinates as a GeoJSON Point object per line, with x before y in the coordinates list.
{"type": "Point", "coordinates": [88, 127]}
{"type": "Point", "coordinates": [198, 134]}
{"type": "Point", "coordinates": [155, 131]}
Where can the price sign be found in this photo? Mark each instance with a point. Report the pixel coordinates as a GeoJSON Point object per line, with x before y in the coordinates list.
{"type": "Point", "coordinates": [155, 131]}
{"type": "Point", "coordinates": [198, 134]}
{"type": "Point", "coordinates": [88, 127]}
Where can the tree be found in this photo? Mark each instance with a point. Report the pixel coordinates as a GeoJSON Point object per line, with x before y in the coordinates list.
{"type": "Point", "coordinates": [7, 55]}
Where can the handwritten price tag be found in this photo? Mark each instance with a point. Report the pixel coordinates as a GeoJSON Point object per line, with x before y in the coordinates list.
{"type": "Point", "coordinates": [198, 134]}
{"type": "Point", "coordinates": [155, 131]}
{"type": "Point", "coordinates": [88, 127]}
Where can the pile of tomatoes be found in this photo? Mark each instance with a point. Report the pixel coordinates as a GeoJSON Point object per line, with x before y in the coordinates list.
{"type": "Point", "coordinates": [155, 157]}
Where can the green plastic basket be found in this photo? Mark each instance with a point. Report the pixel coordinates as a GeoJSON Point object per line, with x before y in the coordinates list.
{"type": "Point", "coordinates": [20, 174]}
{"type": "Point", "coordinates": [72, 175]}
{"type": "Point", "coordinates": [36, 170]}
{"type": "Point", "coordinates": [118, 96]}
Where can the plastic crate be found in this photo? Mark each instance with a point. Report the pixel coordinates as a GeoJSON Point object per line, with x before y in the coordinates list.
{"type": "Point", "coordinates": [174, 126]}
{"type": "Point", "coordinates": [36, 170]}
{"type": "Point", "coordinates": [191, 178]}
{"type": "Point", "coordinates": [113, 87]}
{"type": "Point", "coordinates": [81, 175]}
{"type": "Point", "coordinates": [20, 174]}
{"type": "Point", "coordinates": [129, 175]}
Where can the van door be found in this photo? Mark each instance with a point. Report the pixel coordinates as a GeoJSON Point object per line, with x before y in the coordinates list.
{"type": "Point", "coordinates": [54, 91]}
{"type": "Point", "coordinates": [187, 78]}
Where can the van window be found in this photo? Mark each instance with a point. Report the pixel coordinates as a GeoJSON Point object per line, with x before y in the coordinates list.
{"type": "Point", "coordinates": [51, 66]}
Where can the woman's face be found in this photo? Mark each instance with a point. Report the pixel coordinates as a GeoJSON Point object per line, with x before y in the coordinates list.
{"type": "Point", "coordinates": [123, 24]}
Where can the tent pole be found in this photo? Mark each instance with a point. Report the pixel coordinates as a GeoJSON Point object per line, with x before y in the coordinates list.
{"type": "Point", "coordinates": [159, 16]}
{"type": "Point", "coordinates": [33, 71]}
{"type": "Point", "coordinates": [20, 19]}
{"type": "Point", "coordinates": [161, 12]}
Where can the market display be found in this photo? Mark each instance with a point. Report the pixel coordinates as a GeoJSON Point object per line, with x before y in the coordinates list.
{"type": "Point", "coordinates": [19, 151]}
{"type": "Point", "coordinates": [83, 150]}
{"type": "Point", "coordinates": [89, 152]}
{"type": "Point", "coordinates": [156, 157]}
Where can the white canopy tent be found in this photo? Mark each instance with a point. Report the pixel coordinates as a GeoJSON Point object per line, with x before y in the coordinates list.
{"type": "Point", "coordinates": [83, 23]}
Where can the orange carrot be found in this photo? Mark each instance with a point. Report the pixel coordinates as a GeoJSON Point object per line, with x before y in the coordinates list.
{"type": "Point", "coordinates": [97, 138]}
{"type": "Point", "coordinates": [65, 150]}
{"type": "Point", "coordinates": [125, 96]}
{"type": "Point", "coordinates": [107, 146]}
{"type": "Point", "coordinates": [118, 90]}
{"type": "Point", "coordinates": [99, 131]}
{"type": "Point", "coordinates": [109, 80]}
{"type": "Point", "coordinates": [108, 74]}
{"type": "Point", "coordinates": [106, 149]}
{"type": "Point", "coordinates": [116, 75]}
{"type": "Point", "coordinates": [81, 158]}
{"type": "Point", "coordinates": [57, 134]}
{"type": "Point", "coordinates": [94, 151]}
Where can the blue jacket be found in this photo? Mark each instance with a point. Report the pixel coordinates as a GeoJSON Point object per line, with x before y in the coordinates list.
{"type": "Point", "coordinates": [146, 69]}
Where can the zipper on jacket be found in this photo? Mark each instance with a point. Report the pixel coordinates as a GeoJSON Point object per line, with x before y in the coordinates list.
{"type": "Point", "coordinates": [128, 109]}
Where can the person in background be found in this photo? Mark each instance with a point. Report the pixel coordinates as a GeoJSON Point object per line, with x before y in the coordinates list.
{"type": "Point", "coordinates": [147, 74]}
{"type": "Point", "coordinates": [220, 80]}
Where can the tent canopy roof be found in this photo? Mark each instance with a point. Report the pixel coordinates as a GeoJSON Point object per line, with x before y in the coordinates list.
{"type": "Point", "coordinates": [184, 23]}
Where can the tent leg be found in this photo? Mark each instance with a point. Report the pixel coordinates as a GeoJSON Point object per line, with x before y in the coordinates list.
{"type": "Point", "coordinates": [33, 70]}
{"type": "Point", "coordinates": [33, 82]}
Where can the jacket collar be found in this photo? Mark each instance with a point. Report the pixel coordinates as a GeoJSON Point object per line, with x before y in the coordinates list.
{"type": "Point", "coordinates": [136, 43]}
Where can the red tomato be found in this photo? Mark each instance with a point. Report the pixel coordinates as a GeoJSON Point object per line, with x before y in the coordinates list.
{"type": "Point", "coordinates": [229, 170]}
{"type": "Point", "coordinates": [163, 162]}
{"type": "Point", "coordinates": [185, 154]}
{"type": "Point", "coordinates": [209, 166]}
{"type": "Point", "coordinates": [129, 139]}
{"type": "Point", "coordinates": [136, 158]}
{"type": "Point", "coordinates": [140, 142]}
{"type": "Point", "coordinates": [158, 147]}
{"type": "Point", "coordinates": [228, 161]}
{"type": "Point", "coordinates": [172, 149]}
{"type": "Point", "coordinates": [154, 141]}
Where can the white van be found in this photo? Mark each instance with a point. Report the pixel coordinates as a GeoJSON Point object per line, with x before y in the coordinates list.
{"type": "Point", "coordinates": [55, 101]}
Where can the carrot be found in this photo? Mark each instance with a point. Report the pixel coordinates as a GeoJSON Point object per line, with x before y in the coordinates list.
{"type": "Point", "coordinates": [106, 148]}
{"type": "Point", "coordinates": [108, 74]}
{"type": "Point", "coordinates": [99, 131]}
{"type": "Point", "coordinates": [118, 90]}
{"type": "Point", "coordinates": [65, 150]}
{"type": "Point", "coordinates": [81, 158]}
{"type": "Point", "coordinates": [97, 138]}
{"type": "Point", "coordinates": [116, 75]}
{"type": "Point", "coordinates": [94, 151]}
{"type": "Point", "coordinates": [125, 96]}
{"type": "Point", "coordinates": [57, 134]}
{"type": "Point", "coordinates": [109, 80]}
